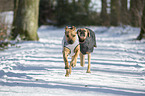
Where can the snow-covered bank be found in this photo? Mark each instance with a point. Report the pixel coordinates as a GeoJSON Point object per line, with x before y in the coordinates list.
{"type": "Point", "coordinates": [37, 68]}
{"type": "Point", "coordinates": [7, 17]}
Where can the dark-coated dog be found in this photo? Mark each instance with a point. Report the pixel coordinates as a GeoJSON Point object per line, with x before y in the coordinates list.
{"type": "Point", "coordinates": [87, 42]}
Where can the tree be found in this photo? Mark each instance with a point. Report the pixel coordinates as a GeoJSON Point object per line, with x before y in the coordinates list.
{"type": "Point", "coordinates": [115, 12]}
{"type": "Point", "coordinates": [73, 13]}
{"type": "Point", "coordinates": [136, 7]}
{"type": "Point", "coordinates": [25, 21]}
{"type": "Point", "coordinates": [142, 32]}
{"type": "Point", "coordinates": [124, 12]}
{"type": "Point", "coordinates": [104, 16]}
{"type": "Point", "coordinates": [86, 5]}
{"type": "Point", "coordinates": [45, 11]}
{"type": "Point", "coordinates": [14, 33]}
{"type": "Point", "coordinates": [61, 13]}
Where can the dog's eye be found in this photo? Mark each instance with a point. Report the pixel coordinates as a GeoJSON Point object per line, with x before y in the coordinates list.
{"type": "Point", "coordinates": [74, 35]}
{"type": "Point", "coordinates": [67, 35]}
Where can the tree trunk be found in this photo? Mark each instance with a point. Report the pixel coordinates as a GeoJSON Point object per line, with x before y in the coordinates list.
{"type": "Point", "coordinates": [45, 11]}
{"type": "Point", "coordinates": [142, 32]}
{"type": "Point", "coordinates": [26, 20]}
{"type": "Point", "coordinates": [136, 7]}
{"type": "Point", "coordinates": [104, 16]}
{"type": "Point", "coordinates": [14, 33]}
{"type": "Point", "coordinates": [86, 5]}
{"type": "Point", "coordinates": [115, 12]}
{"type": "Point", "coordinates": [61, 20]}
{"type": "Point", "coordinates": [124, 12]}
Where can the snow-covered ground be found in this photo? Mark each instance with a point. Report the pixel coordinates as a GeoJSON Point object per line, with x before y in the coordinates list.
{"type": "Point", "coordinates": [37, 68]}
{"type": "Point", "coordinates": [6, 17]}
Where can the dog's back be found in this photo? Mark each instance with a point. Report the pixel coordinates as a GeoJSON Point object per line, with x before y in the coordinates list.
{"type": "Point", "coordinates": [89, 43]}
{"type": "Point", "coordinates": [92, 37]}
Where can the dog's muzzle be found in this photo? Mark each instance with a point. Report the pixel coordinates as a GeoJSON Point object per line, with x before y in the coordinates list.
{"type": "Point", "coordinates": [82, 34]}
{"type": "Point", "coordinates": [70, 41]}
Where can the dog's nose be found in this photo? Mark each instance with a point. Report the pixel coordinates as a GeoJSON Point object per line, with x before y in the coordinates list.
{"type": "Point", "coordinates": [82, 34]}
{"type": "Point", "coordinates": [71, 42]}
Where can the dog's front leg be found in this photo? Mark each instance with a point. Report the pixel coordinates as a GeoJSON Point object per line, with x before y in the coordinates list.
{"type": "Point", "coordinates": [74, 58]}
{"type": "Point", "coordinates": [89, 63]}
{"type": "Point", "coordinates": [65, 57]}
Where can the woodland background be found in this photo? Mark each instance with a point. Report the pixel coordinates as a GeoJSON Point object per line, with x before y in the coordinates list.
{"type": "Point", "coordinates": [70, 12]}
{"type": "Point", "coordinates": [80, 12]}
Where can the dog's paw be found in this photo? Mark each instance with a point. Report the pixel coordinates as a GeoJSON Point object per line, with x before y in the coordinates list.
{"type": "Point", "coordinates": [88, 71]}
{"type": "Point", "coordinates": [66, 67]}
{"type": "Point", "coordinates": [66, 75]}
{"type": "Point", "coordinates": [73, 64]}
{"type": "Point", "coordinates": [82, 64]}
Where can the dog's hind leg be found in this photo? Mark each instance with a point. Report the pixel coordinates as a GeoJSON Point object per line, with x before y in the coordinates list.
{"type": "Point", "coordinates": [70, 68]}
{"type": "Point", "coordinates": [89, 63]}
{"type": "Point", "coordinates": [82, 59]}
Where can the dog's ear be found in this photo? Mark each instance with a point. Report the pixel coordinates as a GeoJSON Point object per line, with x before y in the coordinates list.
{"type": "Point", "coordinates": [78, 31]}
{"type": "Point", "coordinates": [66, 27]}
{"type": "Point", "coordinates": [88, 33]}
{"type": "Point", "coordinates": [73, 27]}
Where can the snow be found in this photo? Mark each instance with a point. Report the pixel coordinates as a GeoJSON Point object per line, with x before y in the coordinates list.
{"type": "Point", "coordinates": [7, 17]}
{"type": "Point", "coordinates": [37, 68]}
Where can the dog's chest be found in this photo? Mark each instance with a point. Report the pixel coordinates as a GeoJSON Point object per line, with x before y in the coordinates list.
{"type": "Point", "coordinates": [87, 45]}
{"type": "Point", "coordinates": [71, 47]}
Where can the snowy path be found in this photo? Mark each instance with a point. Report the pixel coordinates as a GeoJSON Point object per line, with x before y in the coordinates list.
{"type": "Point", "coordinates": [37, 68]}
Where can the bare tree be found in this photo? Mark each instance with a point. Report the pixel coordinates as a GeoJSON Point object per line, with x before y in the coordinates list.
{"type": "Point", "coordinates": [124, 12]}
{"type": "Point", "coordinates": [104, 15]}
{"type": "Point", "coordinates": [25, 21]}
{"type": "Point", "coordinates": [142, 32]}
{"type": "Point", "coordinates": [86, 5]}
{"type": "Point", "coordinates": [136, 7]}
{"type": "Point", "coordinates": [115, 12]}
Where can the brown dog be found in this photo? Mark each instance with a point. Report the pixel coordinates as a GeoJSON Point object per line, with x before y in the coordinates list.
{"type": "Point", "coordinates": [71, 47]}
{"type": "Point", "coordinates": [87, 41]}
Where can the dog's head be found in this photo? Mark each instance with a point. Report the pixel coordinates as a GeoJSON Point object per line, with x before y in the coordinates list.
{"type": "Point", "coordinates": [83, 33]}
{"type": "Point", "coordinates": [70, 34]}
